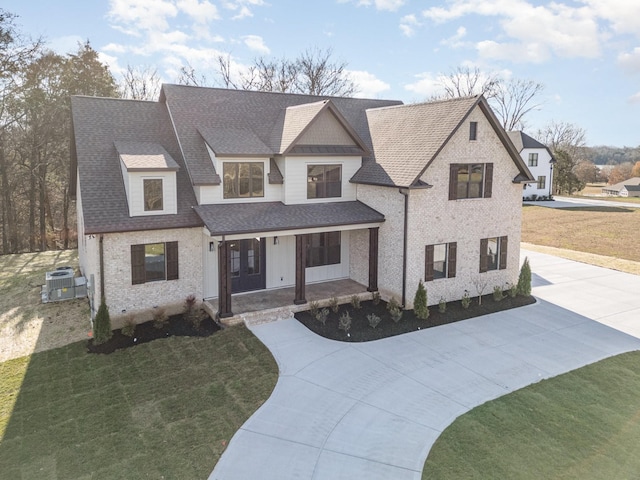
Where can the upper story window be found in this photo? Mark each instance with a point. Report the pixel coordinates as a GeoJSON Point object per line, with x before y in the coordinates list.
{"type": "Point", "coordinates": [324, 181]}
{"type": "Point", "coordinates": [533, 159]}
{"type": "Point", "coordinates": [473, 130]}
{"type": "Point", "coordinates": [243, 179]}
{"type": "Point", "coordinates": [470, 180]}
{"type": "Point", "coordinates": [493, 254]}
{"type": "Point", "coordinates": [153, 196]}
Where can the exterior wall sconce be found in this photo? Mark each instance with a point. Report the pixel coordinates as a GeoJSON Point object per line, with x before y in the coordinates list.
{"type": "Point", "coordinates": [276, 241]}
{"type": "Point", "coordinates": [212, 246]}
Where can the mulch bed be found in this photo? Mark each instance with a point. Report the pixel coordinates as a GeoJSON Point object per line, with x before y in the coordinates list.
{"type": "Point", "coordinates": [147, 332]}
{"type": "Point", "coordinates": [361, 331]}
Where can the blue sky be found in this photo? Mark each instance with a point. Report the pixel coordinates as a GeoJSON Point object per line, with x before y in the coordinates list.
{"type": "Point", "coordinates": [585, 52]}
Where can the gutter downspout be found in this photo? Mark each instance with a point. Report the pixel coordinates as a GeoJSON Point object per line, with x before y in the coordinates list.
{"type": "Point", "coordinates": [405, 192]}
{"type": "Point", "coordinates": [101, 269]}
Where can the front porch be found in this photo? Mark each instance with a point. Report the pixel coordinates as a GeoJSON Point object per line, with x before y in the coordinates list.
{"type": "Point", "coordinates": [269, 305]}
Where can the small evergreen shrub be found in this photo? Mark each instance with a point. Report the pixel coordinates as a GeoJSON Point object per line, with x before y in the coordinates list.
{"type": "Point", "coordinates": [129, 327]}
{"type": "Point", "coordinates": [466, 300]}
{"type": "Point", "coordinates": [102, 324]}
{"type": "Point", "coordinates": [314, 308]}
{"type": "Point", "coordinates": [524, 280]}
{"type": "Point", "coordinates": [512, 289]}
{"type": "Point", "coordinates": [322, 315]}
{"type": "Point", "coordinates": [375, 297]}
{"type": "Point", "coordinates": [160, 318]}
{"type": "Point", "coordinates": [392, 304]}
{"type": "Point", "coordinates": [497, 293]}
{"type": "Point", "coordinates": [442, 305]}
{"type": "Point", "coordinates": [344, 322]}
{"type": "Point", "coordinates": [420, 302]}
{"type": "Point", "coordinates": [374, 320]}
{"type": "Point", "coordinates": [355, 302]}
{"type": "Point", "coordinates": [396, 314]}
{"type": "Point", "coordinates": [333, 304]}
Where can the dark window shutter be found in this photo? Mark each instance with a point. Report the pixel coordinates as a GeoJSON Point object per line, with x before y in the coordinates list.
{"type": "Point", "coordinates": [484, 260]}
{"type": "Point", "coordinates": [488, 180]}
{"type": "Point", "coordinates": [453, 181]}
{"type": "Point", "coordinates": [428, 263]}
{"type": "Point", "coordinates": [503, 253]}
{"type": "Point", "coordinates": [473, 130]}
{"type": "Point", "coordinates": [451, 260]}
{"type": "Point", "coordinates": [172, 260]}
{"type": "Point", "coordinates": [137, 264]}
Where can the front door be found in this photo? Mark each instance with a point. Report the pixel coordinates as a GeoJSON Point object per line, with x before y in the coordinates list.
{"type": "Point", "coordinates": [247, 264]}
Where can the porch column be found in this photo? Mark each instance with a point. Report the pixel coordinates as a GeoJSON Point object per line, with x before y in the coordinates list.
{"type": "Point", "coordinates": [301, 263]}
{"type": "Point", "coordinates": [224, 280]}
{"type": "Point", "coordinates": [373, 260]}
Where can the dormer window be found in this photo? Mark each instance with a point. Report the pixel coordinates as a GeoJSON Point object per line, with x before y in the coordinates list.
{"type": "Point", "coordinates": [152, 194]}
{"type": "Point", "coordinates": [243, 179]}
{"type": "Point", "coordinates": [324, 181]}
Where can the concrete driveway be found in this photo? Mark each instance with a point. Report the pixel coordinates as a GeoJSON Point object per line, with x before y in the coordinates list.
{"type": "Point", "coordinates": [570, 202]}
{"type": "Point", "coordinates": [373, 410]}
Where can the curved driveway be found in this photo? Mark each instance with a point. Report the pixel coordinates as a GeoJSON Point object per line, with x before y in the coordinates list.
{"type": "Point", "coordinates": [373, 410]}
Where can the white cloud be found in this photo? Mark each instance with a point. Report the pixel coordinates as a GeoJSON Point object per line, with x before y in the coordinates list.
{"type": "Point", "coordinates": [367, 84]}
{"type": "Point", "coordinates": [388, 5]}
{"type": "Point", "coordinates": [114, 47]}
{"type": "Point", "coordinates": [243, 13]}
{"type": "Point", "coordinates": [456, 40]}
{"type": "Point", "coordinates": [242, 7]}
{"type": "Point", "coordinates": [256, 43]}
{"type": "Point", "coordinates": [200, 12]}
{"type": "Point", "coordinates": [426, 85]}
{"type": "Point", "coordinates": [624, 15]}
{"type": "Point", "coordinates": [111, 62]}
{"type": "Point", "coordinates": [408, 24]}
{"type": "Point", "coordinates": [66, 44]}
{"type": "Point", "coordinates": [139, 15]}
{"type": "Point", "coordinates": [630, 61]}
{"type": "Point", "coordinates": [635, 98]}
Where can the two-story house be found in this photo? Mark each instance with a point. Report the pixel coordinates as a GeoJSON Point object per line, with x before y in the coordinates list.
{"type": "Point", "coordinates": [214, 192]}
{"type": "Point", "coordinates": [540, 162]}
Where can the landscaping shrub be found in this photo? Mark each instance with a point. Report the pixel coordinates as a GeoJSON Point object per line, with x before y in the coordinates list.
{"type": "Point", "coordinates": [192, 313]}
{"type": "Point", "coordinates": [524, 280]}
{"type": "Point", "coordinates": [420, 302]}
{"type": "Point", "coordinates": [374, 320]}
{"type": "Point", "coordinates": [393, 304]}
{"type": "Point", "coordinates": [466, 300]}
{"type": "Point", "coordinates": [314, 308]}
{"type": "Point", "coordinates": [321, 315]}
{"type": "Point", "coordinates": [394, 310]}
{"type": "Point", "coordinates": [160, 318]}
{"type": "Point", "coordinates": [375, 297]}
{"type": "Point", "coordinates": [129, 328]}
{"type": "Point", "coordinates": [355, 302]}
{"type": "Point", "coordinates": [442, 305]}
{"type": "Point", "coordinates": [345, 322]}
{"type": "Point", "coordinates": [497, 293]}
{"type": "Point", "coordinates": [333, 304]}
{"type": "Point", "coordinates": [102, 324]}
{"type": "Point", "coordinates": [513, 290]}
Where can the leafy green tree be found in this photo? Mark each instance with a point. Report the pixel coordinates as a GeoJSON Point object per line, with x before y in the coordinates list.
{"type": "Point", "coordinates": [564, 178]}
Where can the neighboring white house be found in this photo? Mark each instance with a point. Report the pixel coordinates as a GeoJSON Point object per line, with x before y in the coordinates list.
{"type": "Point", "coordinates": [540, 162]}
{"type": "Point", "coordinates": [626, 188]}
{"type": "Point", "coordinates": [213, 192]}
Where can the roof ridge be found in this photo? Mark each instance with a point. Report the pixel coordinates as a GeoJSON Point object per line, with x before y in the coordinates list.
{"type": "Point", "coordinates": [429, 102]}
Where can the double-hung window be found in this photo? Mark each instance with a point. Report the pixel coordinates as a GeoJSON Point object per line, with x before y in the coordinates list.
{"type": "Point", "coordinates": [533, 159]}
{"type": "Point", "coordinates": [493, 254]}
{"type": "Point", "coordinates": [470, 180]}
{"type": "Point", "coordinates": [440, 261]}
{"type": "Point", "coordinates": [151, 262]}
{"type": "Point", "coordinates": [541, 182]}
{"type": "Point", "coordinates": [324, 181]}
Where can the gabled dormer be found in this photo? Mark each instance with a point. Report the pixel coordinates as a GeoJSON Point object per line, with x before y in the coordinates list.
{"type": "Point", "coordinates": [149, 175]}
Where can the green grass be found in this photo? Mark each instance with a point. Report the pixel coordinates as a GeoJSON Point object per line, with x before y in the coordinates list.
{"type": "Point", "coordinates": [165, 409]}
{"type": "Point", "coordinates": [581, 425]}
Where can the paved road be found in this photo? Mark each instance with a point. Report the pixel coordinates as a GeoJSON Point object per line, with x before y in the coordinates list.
{"type": "Point", "coordinates": [373, 410]}
{"type": "Point", "coordinates": [567, 202]}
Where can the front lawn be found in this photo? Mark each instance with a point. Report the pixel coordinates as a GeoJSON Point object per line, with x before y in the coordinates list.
{"type": "Point", "coordinates": [583, 425]}
{"type": "Point", "coordinates": [165, 409]}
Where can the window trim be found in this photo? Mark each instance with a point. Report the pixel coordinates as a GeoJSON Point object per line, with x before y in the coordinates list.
{"type": "Point", "coordinates": [542, 182]}
{"type": "Point", "coordinates": [236, 181]}
{"type": "Point", "coordinates": [138, 263]}
{"type": "Point", "coordinates": [144, 194]}
{"type": "Point", "coordinates": [533, 159]}
{"type": "Point", "coordinates": [450, 261]}
{"type": "Point", "coordinates": [503, 243]}
{"type": "Point", "coordinates": [486, 185]}
{"type": "Point", "coordinates": [324, 182]}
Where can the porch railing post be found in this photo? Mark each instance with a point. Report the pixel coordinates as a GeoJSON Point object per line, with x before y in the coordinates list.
{"type": "Point", "coordinates": [373, 259]}
{"type": "Point", "coordinates": [301, 263]}
{"type": "Point", "coordinates": [224, 280]}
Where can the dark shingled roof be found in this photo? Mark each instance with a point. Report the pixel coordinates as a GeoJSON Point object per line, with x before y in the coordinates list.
{"type": "Point", "coordinates": [262, 113]}
{"type": "Point", "coordinates": [239, 218]}
{"type": "Point", "coordinates": [97, 124]}
{"type": "Point", "coordinates": [521, 140]}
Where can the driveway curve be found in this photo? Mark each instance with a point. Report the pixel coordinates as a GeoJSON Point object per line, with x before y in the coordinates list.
{"type": "Point", "coordinates": [373, 410]}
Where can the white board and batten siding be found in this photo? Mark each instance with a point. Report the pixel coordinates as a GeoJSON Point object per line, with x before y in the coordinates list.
{"type": "Point", "coordinates": [295, 179]}
{"type": "Point", "coordinates": [134, 186]}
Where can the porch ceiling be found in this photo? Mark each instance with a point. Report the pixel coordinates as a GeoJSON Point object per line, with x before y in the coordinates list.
{"type": "Point", "coordinates": [241, 218]}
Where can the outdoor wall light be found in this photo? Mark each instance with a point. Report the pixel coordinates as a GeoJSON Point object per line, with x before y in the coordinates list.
{"type": "Point", "coordinates": [276, 241]}
{"type": "Point", "coordinates": [212, 246]}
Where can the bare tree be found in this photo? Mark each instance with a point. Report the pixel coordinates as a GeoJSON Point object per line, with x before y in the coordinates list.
{"type": "Point", "coordinates": [140, 83]}
{"type": "Point", "coordinates": [188, 76]}
{"type": "Point", "coordinates": [513, 100]}
{"type": "Point", "coordinates": [563, 136]}
{"type": "Point", "coordinates": [318, 74]}
{"type": "Point", "coordinates": [465, 82]}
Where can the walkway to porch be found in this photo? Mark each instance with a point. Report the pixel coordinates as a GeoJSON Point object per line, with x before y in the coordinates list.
{"type": "Point", "coordinates": [264, 306]}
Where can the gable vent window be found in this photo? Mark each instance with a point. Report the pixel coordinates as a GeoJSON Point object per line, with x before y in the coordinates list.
{"type": "Point", "coordinates": [473, 131]}
{"type": "Point", "coordinates": [152, 194]}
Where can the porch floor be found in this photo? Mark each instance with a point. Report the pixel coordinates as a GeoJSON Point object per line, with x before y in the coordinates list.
{"type": "Point", "coordinates": [265, 305]}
